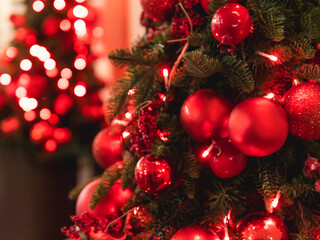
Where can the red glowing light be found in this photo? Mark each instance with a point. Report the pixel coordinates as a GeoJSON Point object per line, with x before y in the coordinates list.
{"type": "Point", "coordinates": [126, 134]}
{"type": "Point", "coordinates": [98, 32]}
{"type": "Point", "coordinates": [9, 125]}
{"type": "Point", "coordinates": [165, 72]}
{"type": "Point", "coordinates": [50, 64]}
{"type": "Point", "coordinates": [5, 79]}
{"type": "Point", "coordinates": [80, 63]}
{"type": "Point", "coordinates": [50, 145]}
{"type": "Point", "coordinates": [59, 4]}
{"type": "Point", "coordinates": [52, 73]}
{"type": "Point", "coordinates": [266, 55]}
{"type": "Point", "coordinates": [131, 92]}
{"type": "Point", "coordinates": [128, 115]}
{"type": "Point", "coordinates": [65, 25]}
{"type": "Point", "coordinates": [80, 90]}
{"type": "Point", "coordinates": [273, 58]}
{"type": "Point", "coordinates": [80, 27]}
{"type": "Point", "coordinates": [54, 119]}
{"type": "Point", "coordinates": [28, 104]}
{"type": "Point", "coordinates": [30, 116]}
{"type": "Point", "coordinates": [45, 114]}
{"type": "Point", "coordinates": [275, 202]}
{"type": "Point", "coordinates": [25, 64]}
{"type": "Point", "coordinates": [162, 97]}
{"type": "Point", "coordinates": [21, 92]}
{"type": "Point", "coordinates": [208, 150]}
{"type": "Point", "coordinates": [269, 96]}
{"type": "Point", "coordinates": [12, 52]}
{"type": "Point", "coordinates": [62, 135]}
{"type": "Point", "coordinates": [163, 135]}
{"type": "Point", "coordinates": [80, 11]}
{"type": "Point", "coordinates": [63, 83]}
{"type": "Point", "coordinates": [66, 73]}
{"type": "Point", "coordinates": [38, 6]}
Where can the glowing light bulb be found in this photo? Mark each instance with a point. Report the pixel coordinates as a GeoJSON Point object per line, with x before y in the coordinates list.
{"type": "Point", "coordinates": [128, 115]}
{"type": "Point", "coordinates": [59, 4]}
{"type": "Point", "coordinates": [25, 64]}
{"type": "Point", "coordinates": [38, 6]}
{"type": "Point", "coordinates": [126, 134]}
{"type": "Point", "coordinates": [65, 25]}
{"type": "Point", "coordinates": [50, 64]}
{"type": "Point", "coordinates": [275, 202]}
{"type": "Point", "coordinates": [66, 73]}
{"type": "Point", "coordinates": [5, 79]}
{"type": "Point", "coordinates": [269, 96]}
{"type": "Point", "coordinates": [28, 104]}
{"type": "Point", "coordinates": [80, 11]}
{"type": "Point", "coordinates": [80, 63]}
{"type": "Point", "coordinates": [269, 56]}
{"type": "Point", "coordinates": [50, 145]}
{"type": "Point", "coordinates": [63, 83]}
{"type": "Point", "coordinates": [45, 114]}
{"type": "Point", "coordinates": [80, 90]}
{"type": "Point", "coordinates": [165, 73]}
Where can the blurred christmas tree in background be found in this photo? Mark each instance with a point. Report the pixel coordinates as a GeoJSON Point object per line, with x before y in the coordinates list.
{"type": "Point", "coordinates": [48, 95]}
{"type": "Point", "coordinates": [214, 129]}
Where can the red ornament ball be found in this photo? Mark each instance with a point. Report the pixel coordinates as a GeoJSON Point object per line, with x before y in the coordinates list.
{"type": "Point", "coordinates": [260, 225]}
{"type": "Point", "coordinates": [159, 10]}
{"type": "Point", "coordinates": [302, 106]}
{"type": "Point", "coordinates": [110, 204]}
{"type": "Point", "coordinates": [153, 174]}
{"type": "Point", "coordinates": [258, 127]}
{"type": "Point", "coordinates": [231, 24]}
{"type": "Point", "coordinates": [229, 162]}
{"type": "Point", "coordinates": [205, 4]}
{"type": "Point", "coordinates": [195, 233]}
{"type": "Point", "coordinates": [204, 115]}
{"type": "Point", "coordinates": [107, 146]}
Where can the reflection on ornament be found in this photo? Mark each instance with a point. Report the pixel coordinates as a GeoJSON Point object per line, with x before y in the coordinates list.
{"type": "Point", "coordinates": [195, 233]}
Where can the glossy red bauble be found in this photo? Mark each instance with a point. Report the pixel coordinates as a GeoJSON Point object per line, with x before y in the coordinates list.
{"type": "Point", "coordinates": [260, 225]}
{"type": "Point", "coordinates": [302, 106]}
{"type": "Point", "coordinates": [204, 115]}
{"type": "Point", "coordinates": [229, 163]}
{"type": "Point", "coordinates": [195, 233]}
{"type": "Point", "coordinates": [258, 127]}
{"type": "Point", "coordinates": [159, 10]}
{"type": "Point", "coordinates": [231, 24]}
{"type": "Point", "coordinates": [107, 146]}
{"type": "Point", "coordinates": [153, 174]}
{"type": "Point", "coordinates": [110, 204]}
{"type": "Point", "coordinates": [205, 4]}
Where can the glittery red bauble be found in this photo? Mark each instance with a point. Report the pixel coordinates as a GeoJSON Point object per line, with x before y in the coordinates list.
{"type": "Point", "coordinates": [159, 10]}
{"type": "Point", "coordinates": [302, 106]}
{"type": "Point", "coordinates": [258, 127]}
{"type": "Point", "coordinates": [205, 4]}
{"type": "Point", "coordinates": [51, 26]}
{"type": "Point", "coordinates": [204, 115]}
{"type": "Point", "coordinates": [260, 225]}
{"type": "Point", "coordinates": [231, 24]}
{"type": "Point", "coordinates": [195, 233]}
{"type": "Point", "coordinates": [229, 163]}
{"type": "Point", "coordinates": [107, 146]}
{"type": "Point", "coordinates": [110, 204]}
{"type": "Point", "coordinates": [153, 174]}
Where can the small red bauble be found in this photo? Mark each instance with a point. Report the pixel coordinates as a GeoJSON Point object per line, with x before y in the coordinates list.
{"type": "Point", "coordinates": [231, 24]}
{"type": "Point", "coordinates": [159, 10]}
{"type": "Point", "coordinates": [260, 225]}
{"type": "Point", "coordinates": [205, 4]}
{"type": "Point", "coordinates": [204, 115]}
{"type": "Point", "coordinates": [153, 174]}
{"type": "Point", "coordinates": [195, 233]}
{"type": "Point", "coordinates": [302, 106]}
{"type": "Point", "coordinates": [229, 163]}
{"type": "Point", "coordinates": [110, 204]}
{"type": "Point", "coordinates": [107, 146]}
{"type": "Point", "coordinates": [258, 127]}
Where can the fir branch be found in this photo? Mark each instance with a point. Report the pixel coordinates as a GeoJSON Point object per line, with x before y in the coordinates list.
{"type": "Point", "coordinates": [198, 64]}
{"type": "Point", "coordinates": [108, 179]}
{"type": "Point", "coordinates": [189, 187]}
{"type": "Point", "coordinates": [302, 48]}
{"type": "Point", "coordinates": [308, 71]}
{"type": "Point", "coordinates": [310, 24]}
{"type": "Point", "coordinates": [189, 166]}
{"type": "Point", "coordinates": [237, 73]}
{"type": "Point", "coordinates": [214, 5]}
{"type": "Point", "coordinates": [128, 172]}
{"type": "Point", "coordinates": [268, 15]}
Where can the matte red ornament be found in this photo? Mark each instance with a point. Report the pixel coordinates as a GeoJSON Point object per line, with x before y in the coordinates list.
{"type": "Point", "coordinates": [260, 225]}
{"type": "Point", "coordinates": [205, 4]}
{"type": "Point", "coordinates": [302, 106]}
{"type": "Point", "coordinates": [228, 162]}
{"type": "Point", "coordinates": [195, 233]}
{"type": "Point", "coordinates": [231, 24]}
{"type": "Point", "coordinates": [153, 174]}
{"type": "Point", "coordinates": [110, 204]}
{"type": "Point", "coordinates": [204, 115]}
{"type": "Point", "coordinates": [258, 127]}
{"type": "Point", "coordinates": [159, 10]}
{"type": "Point", "coordinates": [107, 146]}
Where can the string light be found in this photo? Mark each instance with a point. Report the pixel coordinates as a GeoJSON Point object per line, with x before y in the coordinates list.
{"type": "Point", "coordinates": [65, 25]}
{"type": "Point", "coordinates": [50, 64]}
{"type": "Point", "coordinates": [165, 73]}
{"type": "Point", "coordinates": [98, 32]}
{"type": "Point", "coordinates": [38, 6]}
{"type": "Point", "coordinates": [5, 79]}
{"type": "Point", "coordinates": [28, 104]}
{"type": "Point", "coordinates": [80, 11]}
{"type": "Point", "coordinates": [66, 73]}
{"type": "Point", "coordinates": [50, 145]}
{"type": "Point", "coordinates": [80, 27]}
{"type": "Point", "coordinates": [11, 52]}
{"type": "Point", "coordinates": [226, 223]}
{"type": "Point", "coordinates": [269, 56]}
{"type": "Point", "coordinates": [63, 83]}
{"type": "Point", "coordinates": [30, 116]}
{"type": "Point", "coordinates": [162, 96]}
{"type": "Point", "coordinates": [269, 96]}
{"type": "Point", "coordinates": [59, 4]}
{"type": "Point", "coordinates": [21, 92]}
{"type": "Point", "coordinates": [80, 90]}
{"type": "Point", "coordinates": [131, 92]}
{"type": "Point", "coordinates": [128, 116]}
{"type": "Point", "coordinates": [80, 63]}
{"type": "Point", "coordinates": [25, 64]}
{"type": "Point", "coordinates": [45, 114]}
{"type": "Point", "coordinates": [275, 202]}
{"type": "Point", "coordinates": [206, 152]}
{"type": "Point", "coordinates": [125, 134]}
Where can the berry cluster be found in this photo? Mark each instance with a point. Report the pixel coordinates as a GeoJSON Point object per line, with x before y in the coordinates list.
{"type": "Point", "coordinates": [311, 169]}
{"type": "Point", "coordinates": [146, 130]}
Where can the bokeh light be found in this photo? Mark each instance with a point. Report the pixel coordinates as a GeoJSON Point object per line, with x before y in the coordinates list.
{"type": "Point", "coordinates": [50, 145]}
{"type": "Point", "coordinates": [66, 73]}
{"type": "Point", "coordinates": [25, 64]}
{"type": "Point", "coordinates": [45, 114]}
{"type": "Point", "coordinates": [59, 4]}
{"type": "Point", "coordinates": [30, 116]}
{"type": "Point", "coordinates": [21, 92]}
{"type": "Point", "coordinates": [80, 90]}
{"type": "Point", "coordinates": [12, 52]}
{"type": "Point", "coordinates": [38, 6]}
{"type": "Point", "coordinates": [80, 11]}
{"type": "Point", "coordinates": [80, 63]}
{"type": "Point", "coordinates": [5, 79]}
{"type": "Point", "coordinates": [63, 83]}
{"type": "Point", "coordinates": [50, 64]}
{"type": "Point", "coordinates": [65, 25]}
{"type": "Point", "coordinates": [28, 104]}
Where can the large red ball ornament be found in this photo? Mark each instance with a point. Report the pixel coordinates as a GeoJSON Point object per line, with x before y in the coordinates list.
{"type": "Point", "coordinates": [159, 10]}
{"type": "Point", "coordinates": [258, 127]}
{"type": "Point", "coordinates": [107, 146]}
{"type": "Point", "coordinates": [231, 24]}
{"type": "Point", "coordinates": [204, 115]}
{"type": "Point", "coordinates": [110, 204]}
{"type": "Point", "coordinates": [195, 233]}
{"type": "Point", "coordinates": [257, 226]}
{"type": "Point", "coordinates": [228, 162]}
{"type": "Point", "coordinates": [153, 174]}
{"type": "Point", "coordinates": [302, 106]}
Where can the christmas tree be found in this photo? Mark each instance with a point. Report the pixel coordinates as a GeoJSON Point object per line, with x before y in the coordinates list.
{"type": "Point", "coordinates": [219, 112]}
{"type": "Point", "coordinates": [49, 96]}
